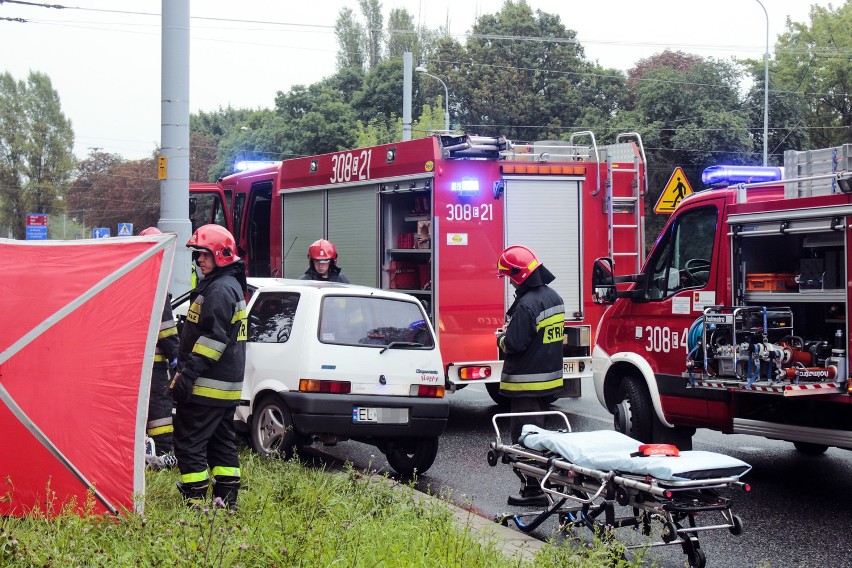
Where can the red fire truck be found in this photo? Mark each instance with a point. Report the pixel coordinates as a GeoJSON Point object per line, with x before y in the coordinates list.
{"type": "Point", "coordinates": [738, 321]}
{"type": "Point", "coordinates": [430, 216]}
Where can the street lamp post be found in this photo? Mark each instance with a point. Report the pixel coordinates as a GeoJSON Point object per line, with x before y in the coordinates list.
{"type": "Point", "coordinates": [765, 88]}
{"type": "Point", "coordinates": [421, 69]}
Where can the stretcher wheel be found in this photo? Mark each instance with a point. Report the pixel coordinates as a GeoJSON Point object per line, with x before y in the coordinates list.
{"type": "Point", "coordinates": [697, 559]}
{"type": "Point", "coordinates": [737, 529]}
{"type": "Point", "coordinates": [492, 458]}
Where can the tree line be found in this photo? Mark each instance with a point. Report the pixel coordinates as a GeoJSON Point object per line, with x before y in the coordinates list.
{"type": "Point", "coordinates": [519, 73]}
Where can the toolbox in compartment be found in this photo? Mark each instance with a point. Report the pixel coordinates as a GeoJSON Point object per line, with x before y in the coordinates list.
{"type": "Point", "coordinates": [771, 282]}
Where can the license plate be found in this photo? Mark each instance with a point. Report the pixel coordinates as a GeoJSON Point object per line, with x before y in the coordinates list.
{"type": "Point", "coordinates": [364, 414]}
{"type": "Point", "coordinates": [568, 368]}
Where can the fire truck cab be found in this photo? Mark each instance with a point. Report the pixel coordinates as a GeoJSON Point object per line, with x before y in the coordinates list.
{"type": "Point", "coordinates": [738, 321]}
{"type": "Point", "coordinates": [430, 216]}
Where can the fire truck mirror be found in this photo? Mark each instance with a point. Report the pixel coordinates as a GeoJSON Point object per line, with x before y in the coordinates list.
{"type": "Point", "coordinates": [603, 281]}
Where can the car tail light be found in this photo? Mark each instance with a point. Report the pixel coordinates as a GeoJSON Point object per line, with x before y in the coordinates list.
{"type": "Point", "coordinates": [332, 387]}
{"type": "Point", "coordinates": [428, 391]}
{"type": "Point", "coordinates": [474, 373]}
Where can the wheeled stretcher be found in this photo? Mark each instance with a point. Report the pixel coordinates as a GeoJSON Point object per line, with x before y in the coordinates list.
{"type": "Point", "coordinates": [604, 480]}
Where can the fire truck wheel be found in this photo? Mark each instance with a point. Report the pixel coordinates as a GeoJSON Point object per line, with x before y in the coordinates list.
{"type": "Point", "coordinates": [272, 432]}
{"type": "Point", "coordinates": [408, 456]}
{"type": "Point", "coordinates": [634, 412]}
{"type": "Point", "coordinates": [810, 449]}
{"type": "Point", "coordinates": [494, 392]}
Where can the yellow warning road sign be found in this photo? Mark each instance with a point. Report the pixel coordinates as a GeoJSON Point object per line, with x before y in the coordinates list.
{"type": "Point", "coordinates": [676, 189]}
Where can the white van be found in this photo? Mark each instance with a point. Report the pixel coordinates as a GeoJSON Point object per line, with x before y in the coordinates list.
{"type": "Point", "coordinates": [328, 362]}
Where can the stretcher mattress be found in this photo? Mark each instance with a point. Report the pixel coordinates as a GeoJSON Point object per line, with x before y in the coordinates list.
{"type": "Point", "coordinates": [607, 450]}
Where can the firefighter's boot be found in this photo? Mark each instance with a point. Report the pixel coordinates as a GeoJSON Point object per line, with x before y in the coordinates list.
{"type": "Point", "coordinates": [530, 495]}
{"type": "Point", "coordinates": [195, 493]}
{"type": "Point", "coordinates": [226, 490]}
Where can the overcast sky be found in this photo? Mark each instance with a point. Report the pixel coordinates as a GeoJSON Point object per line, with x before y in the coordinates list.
{"type": "Point", "coordinates": [103, 56]}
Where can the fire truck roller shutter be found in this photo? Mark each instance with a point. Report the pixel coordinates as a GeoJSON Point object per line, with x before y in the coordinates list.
{"type": "Point", "coordinates": [303, 221]}
{"type": "Point", "coordinates": [352, 227]}
{"type": "Point", "coordinates": [544, 215]}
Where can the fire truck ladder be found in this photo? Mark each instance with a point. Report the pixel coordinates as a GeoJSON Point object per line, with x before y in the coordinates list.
{"type": "Point", "coordinates": [627, 206]}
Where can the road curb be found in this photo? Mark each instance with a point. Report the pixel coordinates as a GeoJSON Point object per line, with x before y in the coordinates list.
{"type": "Point", "coordinates": [512, 543]}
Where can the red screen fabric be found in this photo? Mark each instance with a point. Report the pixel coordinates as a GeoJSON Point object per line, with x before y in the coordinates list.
{"type": "Point", "coordinates": [79, 323]}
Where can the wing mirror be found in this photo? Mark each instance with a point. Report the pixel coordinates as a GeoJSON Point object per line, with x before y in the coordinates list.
{"type": "Point", "coordinates": [603, 281]}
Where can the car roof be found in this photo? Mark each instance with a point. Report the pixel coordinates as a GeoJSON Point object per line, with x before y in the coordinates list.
{"type": "Point", "coordinates": [322, 288]}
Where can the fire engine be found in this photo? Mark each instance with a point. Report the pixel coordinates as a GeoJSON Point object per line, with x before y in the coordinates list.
{"type": "Point", "coordinates": [738, 321]}
{"type": "Point", "coordinates": [430, 217]}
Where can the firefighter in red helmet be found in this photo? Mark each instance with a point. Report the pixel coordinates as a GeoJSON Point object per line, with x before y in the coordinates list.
{"type": "Point", "coordinates": [531, 344]}
{"type": "Point", "coordinates": [211, 366]}
{"type": "Point", "coordinates": [322, 263]}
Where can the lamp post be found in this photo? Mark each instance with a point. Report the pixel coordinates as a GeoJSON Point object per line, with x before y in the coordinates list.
{"type": "Point", "coordinates": [421, 69]}
{"type": "Point", "coordinates": [765, 87]}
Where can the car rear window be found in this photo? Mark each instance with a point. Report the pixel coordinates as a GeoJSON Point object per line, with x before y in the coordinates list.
{"type": "Point", "coordinates": [371, 321]}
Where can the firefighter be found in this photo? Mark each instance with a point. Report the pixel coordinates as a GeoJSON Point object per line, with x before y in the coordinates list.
{"type": "Point", "coordinates": [322, 263]}
{"type": "Point", "coordinates": [211, 365]}
{"type": "Point", "coordinates": [531, 344]}
{"type": "Point", "coordinates": [159, 425]}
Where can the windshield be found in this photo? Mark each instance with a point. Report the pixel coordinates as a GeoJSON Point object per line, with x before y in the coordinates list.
{"type": "Point", "coordinates": [371, 321]}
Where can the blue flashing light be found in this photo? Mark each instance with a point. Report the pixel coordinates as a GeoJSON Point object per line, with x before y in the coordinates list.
{"type": "Point", "coordinates": [466, 187]}
{"type": "Point", "coordinates": [722, 176]}
{"type": "Point", "coordinates": [246, 165]}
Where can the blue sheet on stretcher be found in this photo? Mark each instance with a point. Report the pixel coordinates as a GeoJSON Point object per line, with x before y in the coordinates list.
{"type": "Point", "coordinates": [607, 450]}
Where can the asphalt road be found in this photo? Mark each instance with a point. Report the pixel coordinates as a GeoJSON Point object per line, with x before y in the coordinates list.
{"type": "Point", "coordinates": [799, 512]}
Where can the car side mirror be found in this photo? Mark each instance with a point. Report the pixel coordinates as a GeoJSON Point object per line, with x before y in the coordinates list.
{"type": "Point", "coordinates": [603, 281]}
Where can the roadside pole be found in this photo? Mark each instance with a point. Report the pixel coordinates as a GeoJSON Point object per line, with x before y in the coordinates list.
{"type": "Point", "coordinates": [173, 162]}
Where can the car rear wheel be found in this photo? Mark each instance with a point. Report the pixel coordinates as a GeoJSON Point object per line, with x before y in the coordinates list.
{"type": "Point", "coordinates": [408, 456]}
{"type": "Point", "coordinates": [272, 431]}
{"type": "Point", "coordinates": [810, 449]}
{"type": "Point", "coordinates": [494, 392]}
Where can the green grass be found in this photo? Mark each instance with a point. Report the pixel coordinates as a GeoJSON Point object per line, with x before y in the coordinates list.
{"type": "Point", "coordinates": [290, 515]}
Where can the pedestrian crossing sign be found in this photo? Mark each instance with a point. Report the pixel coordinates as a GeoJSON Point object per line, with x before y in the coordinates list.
{"type": "Point", "coordinates": [676, 189]}
{"type": "Point", "coordinates": [125, 229]}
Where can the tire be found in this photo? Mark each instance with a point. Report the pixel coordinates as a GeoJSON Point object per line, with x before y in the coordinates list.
{"type": "Point", "coordinates": [408, 456]}
{"type": "Point", "coordinates": [272, 431]}
{"type": "Point", "coordinates": [634, 413]}
{"type": "Point", "coordinates": [697, 559]}
{"type": "Point", "coordinates": [494, 392]}
{"type": "Point", "coordinates": [810, 449]}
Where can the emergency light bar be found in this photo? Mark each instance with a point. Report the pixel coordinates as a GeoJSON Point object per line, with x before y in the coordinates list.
{"type": "Point", "coordinates": [246, 165]}
{"type": "Point", "coordinates": [723, 176]}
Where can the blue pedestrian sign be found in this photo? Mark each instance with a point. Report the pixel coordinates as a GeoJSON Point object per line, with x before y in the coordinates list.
{"type": "Point", "coordinates": [100, 232]}
{"type": "Point", "coordinates": [125, 229]}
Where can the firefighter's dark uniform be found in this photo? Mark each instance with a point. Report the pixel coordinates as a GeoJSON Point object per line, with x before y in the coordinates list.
{"type": "Point", "coordinates": [532, 366]}
{"type": "Point", "coordinates": [211, 365]}
{"type": "Point", "coordinates": [159, 426]}
{"type": "Point", "coordinates": [334, 274]}
{"type": "Point", "coordinates": [532, 346]}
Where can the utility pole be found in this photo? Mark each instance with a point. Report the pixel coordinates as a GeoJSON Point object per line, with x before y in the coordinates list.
{"type": "Point", "coordinates": [173, 162]}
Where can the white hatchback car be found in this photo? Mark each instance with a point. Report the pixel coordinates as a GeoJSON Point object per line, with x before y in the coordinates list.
{"type": "Point", "coordinates": [329, 362]}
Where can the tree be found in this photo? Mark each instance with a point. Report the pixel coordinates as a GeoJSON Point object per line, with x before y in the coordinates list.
{"type": "Point", "coordinates": [318, 120]}
{"type": "Point", "coordinates": [372, 11]}
{"type": "Point", "coordinates": [264, 136]}
{"type": "Point", "coordinates": [516, 55]}
{"type": "Point", "coordinates": [109, 191]}
{"type": "Point", "coordinates": [813, 62]}
{"type": "Point", "coordinates": [350, 39]}
{"type": "Point", "coordinates": [36, 159]}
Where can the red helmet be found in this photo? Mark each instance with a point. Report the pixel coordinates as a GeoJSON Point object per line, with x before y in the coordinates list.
{"type": "Point", "coordinates": [517, 262]}
{"type": "Point", "coordinates": [150, 231]}
{"type": "Point", "coordinates": [322, 250]}
{"type": "Point", "coordinates": [216, 240]}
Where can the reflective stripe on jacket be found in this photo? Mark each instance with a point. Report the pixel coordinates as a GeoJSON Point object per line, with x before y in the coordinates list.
{"type": "Point", "coordinates": [212, 343]}
{"type": "Point", "coordinates": [532, 344]}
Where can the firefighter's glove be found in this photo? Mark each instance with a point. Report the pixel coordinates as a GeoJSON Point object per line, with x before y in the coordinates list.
{"type": "Point", "coordinates": [500, 337]}
{"type": "Point", "coordinates": [180, 387]}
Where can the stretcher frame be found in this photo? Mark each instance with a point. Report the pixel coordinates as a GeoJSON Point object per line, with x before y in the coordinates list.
{"type": "Point", "coordinates": [581, 497]}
